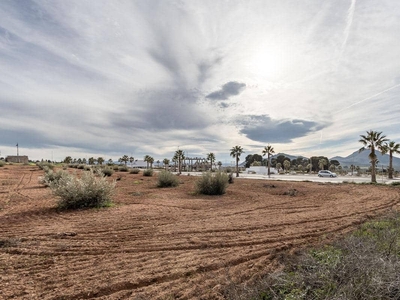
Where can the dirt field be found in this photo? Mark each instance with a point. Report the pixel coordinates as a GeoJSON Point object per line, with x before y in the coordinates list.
{"type": "Point", "coordinates": [165, 243]}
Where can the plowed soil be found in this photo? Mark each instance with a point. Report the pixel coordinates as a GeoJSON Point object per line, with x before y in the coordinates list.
{"type": "Point", "coordinates": [165, 243]}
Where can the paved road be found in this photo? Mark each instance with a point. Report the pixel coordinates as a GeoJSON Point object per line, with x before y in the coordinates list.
{"type": "Point", "coordinates": [313, 177]}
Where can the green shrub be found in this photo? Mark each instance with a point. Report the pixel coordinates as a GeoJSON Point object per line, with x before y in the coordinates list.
{"type": "Point", "coordinates": [394, 183]}
{"type": "Point", "coordinates": [167, 179]}
{"type": "Point", "coordinates": [135, 171]}
{"type": "Point", "coordinates": [50, 176]}
{"type": "Point", "coordinates": [123, 169]}
{"type": "Point", "coordinates": [212, 183]}
{"type": "Point", "coordinates": [44, 164]}
{"type": "Point", "coordinates": [148, 172]}
{"type": "Point", "coordinates": [91, 190]}
{"type": "Point", "coordinates": [2, 163]}
{"type": "Point", "coordinates": [107, 171]}
{"type": "Point", "coordinates": [115, 168]}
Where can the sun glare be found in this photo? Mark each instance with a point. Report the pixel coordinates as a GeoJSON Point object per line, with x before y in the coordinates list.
{"type": "Point", "coordinates": [267, 62]}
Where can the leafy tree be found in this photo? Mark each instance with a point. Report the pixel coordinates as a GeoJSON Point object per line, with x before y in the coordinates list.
{"type": "Point", "coordinates": [219, 165]}
{"type": "Point", "coordinates": [278, 166]}
{"type": "Point", "coordinates": [179, 156]}
{"type": "Point", "coordinates": [68, 160]}
{"type": "Point", "coordinates": [300, 168]}
{"type": "Point", "coordinates": [315, 162]}
{"type": "Point", "coordinates": [110, 162]}
{"type": "Point", "coordinates": [236, 152]}
{"type": "Point", "coordinates": [84, 161]}
{"type": "Point", "coordinates": [391, 148]}
{"type": "Point", "coordinates": [373, 141]}
{"type": "Point", "coordinates": [332, 168]}
{"type": "Point", "coordinates": [334, 162]}
{"type": "Point", "coordinates": [91, 160]}
{"type": "Point", "coordinates": [252, 158]}
{"type": "Point", "coordinates": [125, 159]}
{"type": "Point", "coordinates": [166, 162]}
{"type": "Point", "coordinates": [79, 160]}
{"type": "Point", "coordinates": [286, 165]}
{"type": "Point", "coordinates": [211, 158]}
{"type": "Point", "coordinates": [131, 160]}
{"type": "Point", "coordinates": [268, 150]}
{"type": "Point", "coordinates": [100, 160]}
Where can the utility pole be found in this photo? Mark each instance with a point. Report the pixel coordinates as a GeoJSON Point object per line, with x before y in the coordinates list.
{"type": "Point", "coordinates": [17, 153]}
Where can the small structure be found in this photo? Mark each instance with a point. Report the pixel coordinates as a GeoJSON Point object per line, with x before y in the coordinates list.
{"type": "Point", "coordinates": [17, 159]}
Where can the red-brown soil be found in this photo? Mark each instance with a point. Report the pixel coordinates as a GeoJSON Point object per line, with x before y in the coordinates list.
{"type": "Point", "coordinates": [165, 243]}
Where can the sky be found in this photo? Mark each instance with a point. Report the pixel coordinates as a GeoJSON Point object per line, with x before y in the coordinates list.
{"type": "Point", "coordinates": [87, 78]}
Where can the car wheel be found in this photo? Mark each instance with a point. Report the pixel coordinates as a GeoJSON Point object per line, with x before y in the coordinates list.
{"type": "Point", "coordinates": [331, 175]}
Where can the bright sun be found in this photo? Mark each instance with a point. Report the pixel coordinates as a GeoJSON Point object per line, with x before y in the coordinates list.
{"type": "Point", "coordinates": [267, 62]}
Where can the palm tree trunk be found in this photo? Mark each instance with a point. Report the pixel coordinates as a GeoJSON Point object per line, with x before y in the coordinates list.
{"type": "Point", "coordinates": [391, 166]}
{"type": "Point", "coordinates": [373, 172]}
{"type": "Point", "coordinates": [269, 172]}
{"type": "Point", "coordinates": [237, 166]}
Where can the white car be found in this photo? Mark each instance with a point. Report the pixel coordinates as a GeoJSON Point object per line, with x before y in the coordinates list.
{"type": "Point", "coordinates": [326, 173]}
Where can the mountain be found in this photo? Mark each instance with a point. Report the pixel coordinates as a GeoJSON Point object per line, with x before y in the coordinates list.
{"type": "Point", "coordinates": [362, 159]}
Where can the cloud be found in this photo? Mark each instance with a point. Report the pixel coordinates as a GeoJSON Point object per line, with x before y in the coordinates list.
{"type": "Point", "coordinates": [264, 129]}
{"type": "Point", "coordinates": [229, 89]}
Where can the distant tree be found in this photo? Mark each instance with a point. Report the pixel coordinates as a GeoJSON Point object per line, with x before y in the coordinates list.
{"type": "Point", "coordinates": [91, 161]}
{"type": "Point", "coordinates": [84, 161]}
{"type": "Point", "coordinates": [219, 165]}
{"type": "Point", "coordinates": [146, 159]}
{"type": "Point", "coordinates": [268, 150]}
{"type": "Point", "coordinates": [166, 162]}
{"type": "Point", "coordinates": [332, 168]}
{"type": "Point", "coordinates": [211, 158]}
{"type": "Point", "coordinates": [286, 165]}
{"type": "Point", "coordinates": [158, 163]}
{"type": "Point", "coordinates": [131, 160]}
{"type": "Point", "coordinates": [179, 156]}
{"type": "Point", "coordinates": [315, 162]}
{"type": "Point", "coordinates": [252, 158]}
{"type": "Point", "coordinates": [278, 166]}
{"type": "Point", "coordinates": [151, 161]}
{"type": "Point", "coordinates": [236, 152]}
{"type": "Point", "coordinates": [125, 159]}
{"type": "Point", "coordinates": [110, 162]}
{"type": "Point", "coordinates": [322, 163]}
{"type": "Point", "coordinates": [68, 160]}
{"type": "Point", "coordinates": [391, 148]}
{"type": "Point", "coordinates": [373, 141]}
{"type": "Point", "coordinates": [308, 167]}
{"type": "Point", "coordinates": [300, 168]}
{"type": "Point", "coordinates": [334, 162]}
{"type": "Point", "coordinates": [100, 160]}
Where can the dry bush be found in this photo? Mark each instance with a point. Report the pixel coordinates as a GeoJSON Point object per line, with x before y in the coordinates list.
{"type": "Point", "coordinates": [167, 179]}
{"type": "Point", "coordinates": [212, 183]}
{"type": "Point", "coordinates": [134, 171]}
{"type": "Point", "coordinates": [91, 190]}
{"type": "Point", "coordinates": [148, 172]}
{"type": "Point", "coordinates": [50, 176]}
{"type": "Point", "coordinates": [364, 265]}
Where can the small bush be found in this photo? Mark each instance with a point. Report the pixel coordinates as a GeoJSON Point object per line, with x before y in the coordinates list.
{"type": "Point", "coordinates": [167, 179]}
{"type": "Point", "coordinates": [87, 168]}
{"type": "Point", "coordinates": [91, 190]}
{"type": "Point", "coordinates": [135, 171]}
{"type": "Point", "coordinates": [394, 183]}
{"type": "Point", "coordinates": [148, 172]}
{"type": "Point", "coordinates": [50, 176]}
{"type": "Point", "coordinates": [42, 165]}
{"type": "Point", "coordinates": [108, 171]}
{"type": "Point", "coordinates": [81, 167]}
{"type": "Point", "coordinates": [123, 169]}
{"type": "Point", "coordinates": [115, 168]}
{"type": "Point", "coordinates": [212, 183]}
{"type": "Point", "coordinates": [2, 163]}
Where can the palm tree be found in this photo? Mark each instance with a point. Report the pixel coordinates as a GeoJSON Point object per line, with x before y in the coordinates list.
{"type": "Point", "coordinates": [151, 160]}
{"type": "Point", "coordinates": [268, 150]}
{"type": "Point", "coordinates": [236, 152]}
{"type": "Point", "coordinates": [179, 156]}
{"type": "Point", "coordinates": [166, 162]}
{"type": "Point", "coordinates": [372, 141]}
{"type": "Point", "coordinates": [322, 163]}
{"type": "Point", "coordinates": [391, 148]}
{"type": "Point", "coordinates": [211, 158]}
{"type": "Point", "coordinates": [286, 165]}
{"type": "Point", "coordinates": [131, 160]}
{"type": "Point", "coordinates": [146, 159]}
{"type": "Point", "coordinates": [278, 166]}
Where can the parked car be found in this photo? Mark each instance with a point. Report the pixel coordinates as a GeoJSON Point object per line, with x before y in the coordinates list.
{"type": "Point", "coordinates": [326, 173]}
